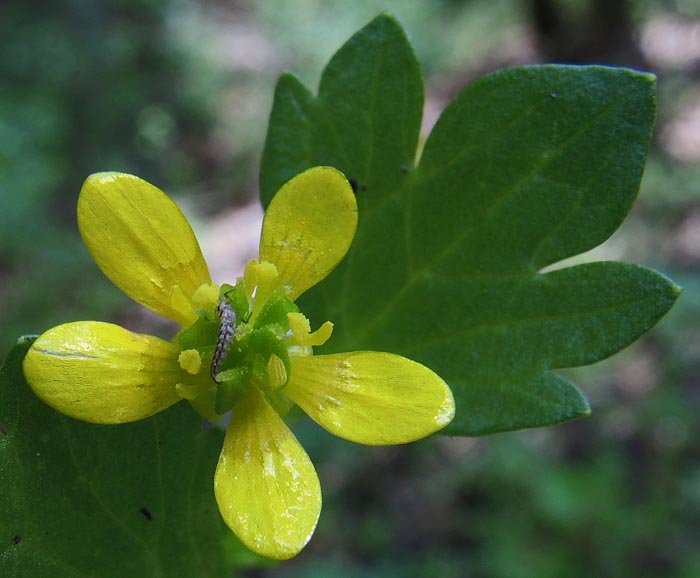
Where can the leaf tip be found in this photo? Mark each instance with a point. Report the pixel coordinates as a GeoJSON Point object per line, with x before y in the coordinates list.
{"type": "Point", "coordinates": [582, 407]}
{"type": "Point", "coordinates": [384, 21]}
{"type": "Point", "coordinates": [384, 16]}
{"type": "Point", "coordinates": [669, 292]}
{"type": "Point", "coordinates": [585, 411]}
{"type": "Point", "coordinates": [646, 81]}
{"type": "Point", "coordinates": [649, 78]}
{"type": "Point", "coordinates": [19, 350]}
{"type": "Point", "coordinates": [289, 80]}
{"type": "Point", "coordinates": [26, 339]}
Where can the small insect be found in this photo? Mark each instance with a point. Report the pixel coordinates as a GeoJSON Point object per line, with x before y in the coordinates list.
{"type": "Point", "coordinates": [227, 326]}
{"type": "Point", "coordinates": [146, 514]}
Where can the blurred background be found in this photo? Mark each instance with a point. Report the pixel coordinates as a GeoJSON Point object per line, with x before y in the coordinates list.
{"type": "Point", "coordinates": [178, 92]}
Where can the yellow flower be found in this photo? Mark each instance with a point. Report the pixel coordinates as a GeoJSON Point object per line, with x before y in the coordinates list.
{"type": "Point", "coordinates": [265, 485]}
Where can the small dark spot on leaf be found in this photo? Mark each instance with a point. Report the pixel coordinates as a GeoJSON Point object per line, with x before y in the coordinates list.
{"type": "Point", "coordinates": [356, 186]}
{"type": "Point", "coordinates": [146, 514]}
{"type": "Point", "coordinates": [3, 431]}
{"type": "Point", "coordinates": [405, 168]}
{"type": "Point", "coordinates": [17, 539]}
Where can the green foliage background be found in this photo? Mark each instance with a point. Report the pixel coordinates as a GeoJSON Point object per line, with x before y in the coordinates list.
{"type": "Point", "coordinates": [132, 85]}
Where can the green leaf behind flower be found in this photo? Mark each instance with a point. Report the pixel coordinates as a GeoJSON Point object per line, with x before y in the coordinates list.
{"type": "Point", "coordinates": [526, 167]}
{"type": "Point", "coordinates": [138, 498]}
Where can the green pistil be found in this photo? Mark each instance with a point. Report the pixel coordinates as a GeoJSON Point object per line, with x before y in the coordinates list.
{"type": "Point", "coordinates": [257, 355]}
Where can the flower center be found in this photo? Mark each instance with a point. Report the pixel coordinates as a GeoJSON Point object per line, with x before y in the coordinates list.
{"type": "Point", "coordinates": [246, 340]}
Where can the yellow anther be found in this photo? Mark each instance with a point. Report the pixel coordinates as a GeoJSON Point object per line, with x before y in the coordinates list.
{"type": "Point", "coordinates": [190, 361]}
{"type": "Point", "coordinates": [301, 331]}
{"type": "Point", "coordinates": [299, 324]}
{"type": "Point", "coordinates": [261, 277]}
{"type": "Point", "coordinates": [321, 335]}
{"type": "Point", "coordinates": [205, 295]}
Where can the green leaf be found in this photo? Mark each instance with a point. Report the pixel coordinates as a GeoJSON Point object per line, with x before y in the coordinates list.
{"type": "Point", "coordinates": [547, 398]}
{"type": "Point", "coordinates": [367, 114]}
{"type": "Point", "coordinates": [526, 167]}
{"type": "Point", "coordinates": [81, 500]}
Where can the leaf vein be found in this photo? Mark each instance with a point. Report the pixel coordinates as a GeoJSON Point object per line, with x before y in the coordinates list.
{"type": "Point", "coordinates": [498, 200]}
{"type": "Point", "coordinates": [513, 323]}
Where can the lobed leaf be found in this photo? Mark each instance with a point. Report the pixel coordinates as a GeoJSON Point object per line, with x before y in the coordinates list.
{"type": "Point", "coordinates": [527, 166]}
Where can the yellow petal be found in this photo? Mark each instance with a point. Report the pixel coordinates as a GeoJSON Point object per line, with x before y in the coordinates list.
{"type": "Point", "coordinates": [369, 397]}
{"type": "Point", "coordinates": [309, 227]}
{"type": "Point", "coordinates": [143, 243]}
{"type": "Point", "coordinates": [101, 373]}
{"type": "Point", "coordinates": [265, 483]}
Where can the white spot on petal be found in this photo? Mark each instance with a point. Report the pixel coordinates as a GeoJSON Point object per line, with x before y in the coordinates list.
{"type": "Point", "coordinates": [289, 464]}
{"type": "Point", "coordinates": [446, 412]}
{"type": "Point", "coordinates": [269, 464]}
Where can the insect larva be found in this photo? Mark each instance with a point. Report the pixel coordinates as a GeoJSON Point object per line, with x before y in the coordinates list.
{"type": "Point", "coordinates": [227, 326]}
